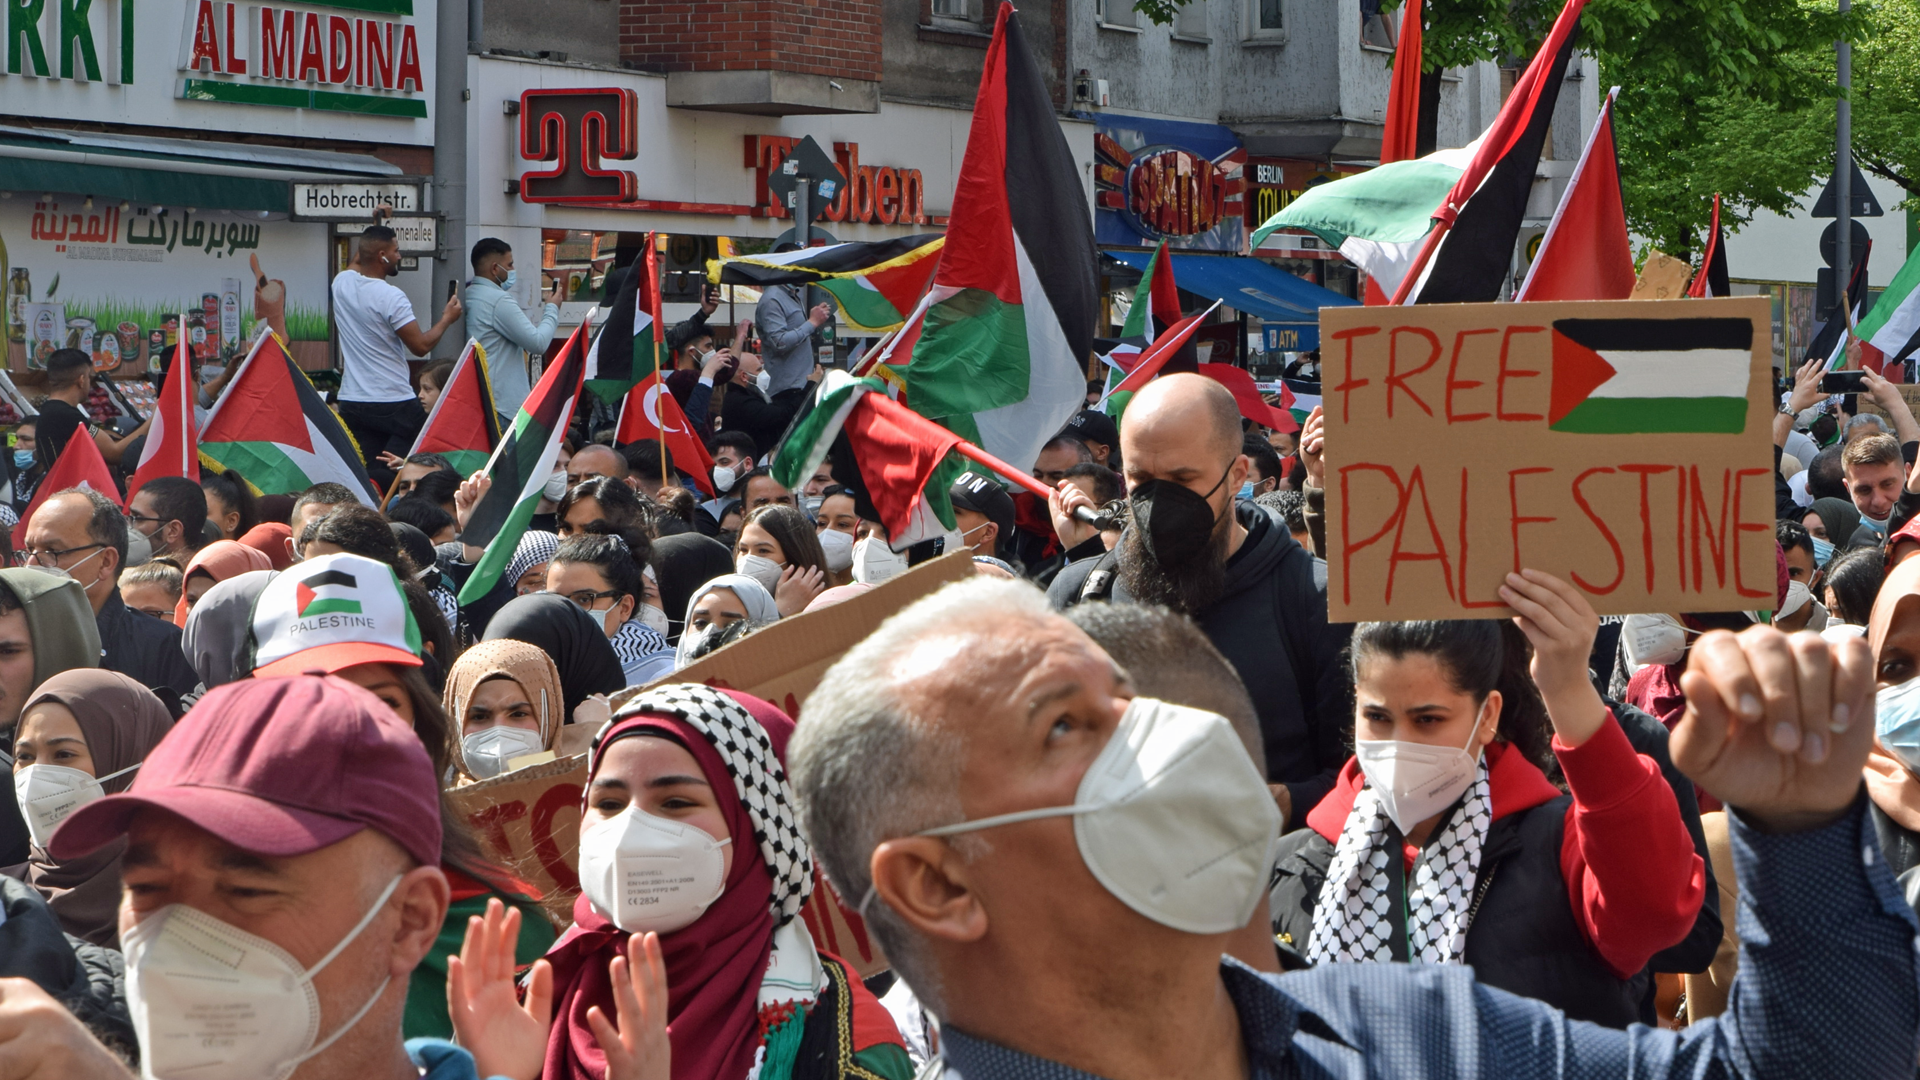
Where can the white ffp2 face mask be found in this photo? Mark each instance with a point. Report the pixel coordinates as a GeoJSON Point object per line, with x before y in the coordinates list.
{"type": "Point", "coordinates": [761, 569]}
{"type": "Point", "coordinates": [874, 562]}
{"type": "Point", "coordinates": [488, 751]}
{"type": "Point", "coordinates": [213, 1002]}
{"type": "Point", "coordinates": [1415, 780]}
{"type": "Point", "coordinates": [1653, 639]}
{"type": "Point", "coordinates": [838, 547]}
{"type": "Point", "coordinates": [649, 873]}
{"type": "Point", "coordinates": [654, 619]}
{"type": "Point", "coordinates": [1172, 818]}
{"type": "Point", "coordinates": [723, 478]}
{"type": "Point", "coordinates": [556, 486]}
{"type": "Point", "coordinates": [49, 794]}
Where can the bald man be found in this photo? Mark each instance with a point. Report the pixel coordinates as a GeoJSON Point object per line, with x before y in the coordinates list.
{"type": "Point", "coordinates": [1256, 593]}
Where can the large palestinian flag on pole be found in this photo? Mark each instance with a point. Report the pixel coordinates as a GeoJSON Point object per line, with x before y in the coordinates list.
{"type": "Point", "coordinates": [521, 464]}
{"type": "Point", "coordinates": [875, 285]}
{"type": "Point", "coordinates": [273, 426]}
{"type": "Point", "coordinates": [463, 428]}
{"type": "Point", "coordinates": [1891, 332]}
{"type": "Point", "coordinates": [1585, 254]}
{"type": "Point", "coordinates": [1001, 358]}
{"type": "Point", "coordinates": [633, 343]}
{"type": "Point", "coordinates": [1382, 220]}
{"type": "Point", "coordinates": [1630, 376]}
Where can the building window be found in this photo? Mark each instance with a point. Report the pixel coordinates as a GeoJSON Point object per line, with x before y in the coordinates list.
{"type": "Point", "coordinates": [1190, 21]}
{"type": "Point", "coordinates": [959, 10]}
{"type": "Point", "coordinates": [1266, 21]}
{"type": "Point", "coordinates": [1119, 13]}
{"type": "Point", "coordinates": [1378, 30]}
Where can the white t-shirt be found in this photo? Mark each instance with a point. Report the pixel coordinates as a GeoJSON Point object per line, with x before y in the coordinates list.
{"type": "Point", "coordinates": [368, 314]}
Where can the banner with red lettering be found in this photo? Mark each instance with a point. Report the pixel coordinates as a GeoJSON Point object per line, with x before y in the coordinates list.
{"type": "Point", "coordinates": [1624, 446]}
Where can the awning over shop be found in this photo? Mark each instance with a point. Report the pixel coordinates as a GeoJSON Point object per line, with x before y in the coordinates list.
{"type": "Point", "coordinates": [169, 172]}
{"type": "Point", "coordinates": [1251, 285]}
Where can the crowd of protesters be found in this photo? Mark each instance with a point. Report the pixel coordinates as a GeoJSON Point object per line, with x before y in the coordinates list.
{"type": "Point", "coordinates": [1122, 802]}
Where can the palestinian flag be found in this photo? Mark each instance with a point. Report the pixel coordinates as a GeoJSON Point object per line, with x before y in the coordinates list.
{"type": "Point", "coordinates": [274, 428]}
{"type": "Point", "coordinates": [875, 285]}
{"type": "Point", "coordinates": [633, 343]}
{"type": "Point", "coordinates": [1830, 338]}
{"type": "Point", "coordinates": [521, 464]}
{"type": "Point", "coordinates": [1001, 359]}
{"type": "Point", "coordinates": [463, 428]}
{"type": "Point", "coordinates": [1156, 307]}
{"type": "Point", "coordinates": [650, 414]}
{"type": "Point", "coordinates": [904, 461]}
{"type": "Point", "coordinates": [172, 447]}
{"type": "Point", "coordinates": [1489, 201]}
{"type": "Point", "coordinates": [1156, 356]}
{"type": "Point", "coordinates": [1635, 376]}
{"type": "Point", "coordinates": [1586, 254]}
{"type": "Point", "coordinates": [1299, 397]}
{"type": "Point", "coordinates": [1712, 278]}
{"type": "Point", "coordinates": [1380, 219]}
{"type": "Point", "coordinates": [1891, 332]}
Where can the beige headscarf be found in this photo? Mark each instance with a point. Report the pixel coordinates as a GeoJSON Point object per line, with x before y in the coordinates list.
{"type": "Point", "coordinates": [1890, 785]}
{"type": "Point", "coordinates": [503, 658]}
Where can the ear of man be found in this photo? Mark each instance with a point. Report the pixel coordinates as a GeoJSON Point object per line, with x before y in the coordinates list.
{"type": "Point", "coordinates": [926, 884]}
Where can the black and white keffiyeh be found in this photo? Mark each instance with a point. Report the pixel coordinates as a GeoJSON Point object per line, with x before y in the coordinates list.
{"type": "Point", "coordinates": [758, 778]}
{"type": "Point", "coordinates": [1352, 919]}
{"type": "Point", "coordinates": [635, 641]}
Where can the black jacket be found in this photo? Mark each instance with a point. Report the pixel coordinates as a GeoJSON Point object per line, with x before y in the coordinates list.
{"type": "Point", "coordinates": [89, 979]}
{"type": "Point", "coordinates": [1272, 625]}
{"type": "Point", "coordinates": [146, 650]}
{"type": "Point", "coordinates": [747, 409]}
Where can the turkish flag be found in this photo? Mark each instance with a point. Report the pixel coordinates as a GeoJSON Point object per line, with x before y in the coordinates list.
{"type": "Point", "coordinates": [78, 466]}
{"type": "Point", "coordinates": [651, 413]}
{"type": "Point", "coordinates": [173, 445]}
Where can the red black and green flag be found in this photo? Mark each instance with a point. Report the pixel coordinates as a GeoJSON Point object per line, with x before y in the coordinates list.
{"type": "Point", "coordinates": [1001, 357]}
{"type": "Point", "coordinates": [521, 464]}
{"type": "Point", "coordinates": [633, 343]}
{"type": "Point", "coordinates": [875, 285]}
{"type": "Point", "coordinates": [276, 429]}
{"type": "Point", "coordinates": [463, 428]}
{"type": "Point", "coordinates": [1712, 279]}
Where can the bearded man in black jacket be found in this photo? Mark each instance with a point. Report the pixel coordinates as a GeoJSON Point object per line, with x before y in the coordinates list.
{"type": "Point", "coordinates": [1258, 595]}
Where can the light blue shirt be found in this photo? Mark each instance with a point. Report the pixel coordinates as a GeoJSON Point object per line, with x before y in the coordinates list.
{"type": "Point", "coordinates": [495, 320]}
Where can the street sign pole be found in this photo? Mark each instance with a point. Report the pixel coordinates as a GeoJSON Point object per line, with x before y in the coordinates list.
{"type": "Point", "coordinates": [1843, 172]}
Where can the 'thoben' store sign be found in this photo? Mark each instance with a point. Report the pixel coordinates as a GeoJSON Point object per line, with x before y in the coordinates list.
{"type": "Point", "coordinates": [577, 139]}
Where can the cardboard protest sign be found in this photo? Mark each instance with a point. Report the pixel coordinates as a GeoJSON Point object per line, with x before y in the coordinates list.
{"type": "Point", "coordinates": [1662, 277]}
{"type": "Point", "coordinates": [1623, 446]}
{"type": "Point", "coordinates": [529, 821]}
{"type": "Point", "coordinates": [1909, 392]}
{"type": "Point", "coordinates": [784, 662]}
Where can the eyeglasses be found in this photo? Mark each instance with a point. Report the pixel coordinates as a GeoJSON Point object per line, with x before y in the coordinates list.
{"type": "Point", "coordinates": [47, 556]}
{"type": "Point", "coordinates": [586, 597]}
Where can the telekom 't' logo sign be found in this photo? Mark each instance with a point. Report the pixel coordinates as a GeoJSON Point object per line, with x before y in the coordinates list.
{"type": "Point", "coordinates": [575, 131]}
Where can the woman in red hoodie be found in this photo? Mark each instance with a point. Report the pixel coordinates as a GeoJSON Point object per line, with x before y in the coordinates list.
{"type": "Point", "coordinates": [1560, 896]}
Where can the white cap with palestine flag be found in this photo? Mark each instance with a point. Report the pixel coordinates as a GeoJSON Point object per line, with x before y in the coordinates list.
{"type": "Point", "coordinates": [330, 613]}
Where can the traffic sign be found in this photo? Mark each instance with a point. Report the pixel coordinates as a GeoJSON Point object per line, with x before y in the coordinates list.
{"type": "Point", "coordinates": [1864, 204]}
{"type": "Point", "coordinates": [353, 201]}
{"type": "Point", "coordinates": [808, 163]}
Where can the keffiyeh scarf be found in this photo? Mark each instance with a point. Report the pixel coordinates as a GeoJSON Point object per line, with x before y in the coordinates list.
{"type": "Point", "coordinates": [1352, 919]}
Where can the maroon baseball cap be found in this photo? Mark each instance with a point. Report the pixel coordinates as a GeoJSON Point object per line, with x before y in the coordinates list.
{"type": "Point", "coordinates": [279, 767]}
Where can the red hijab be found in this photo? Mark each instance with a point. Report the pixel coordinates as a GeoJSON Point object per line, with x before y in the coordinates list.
{"type": "Point", "coordinates": [714, 964]}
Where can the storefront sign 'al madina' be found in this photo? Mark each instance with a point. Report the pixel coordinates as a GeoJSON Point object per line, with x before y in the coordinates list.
{"type": "Point", "coordinates": [350, 58]}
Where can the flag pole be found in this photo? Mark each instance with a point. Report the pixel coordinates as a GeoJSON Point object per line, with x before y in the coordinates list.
{"type": "Point", "coordinates": [502, 445]}
{"type": "Point", "coordinates": [973, 453]}
{"type": "Point", "coordinates": [659, 339]}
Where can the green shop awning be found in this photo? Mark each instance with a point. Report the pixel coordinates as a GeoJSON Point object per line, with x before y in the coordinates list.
{"type": "Point", "coordinates": [170, 172]}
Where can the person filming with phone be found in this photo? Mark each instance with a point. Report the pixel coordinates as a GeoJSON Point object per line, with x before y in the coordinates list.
{"type": "Point", "coordinates": [494, 319]}
{"type": "Point", "coordinates": [377, 331]}
{"type": "Point", "coordinates": [1876, 466]}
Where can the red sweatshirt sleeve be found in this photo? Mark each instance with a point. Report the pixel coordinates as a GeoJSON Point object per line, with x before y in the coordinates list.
{"type": "Point", "coordinates": [1633, 877]}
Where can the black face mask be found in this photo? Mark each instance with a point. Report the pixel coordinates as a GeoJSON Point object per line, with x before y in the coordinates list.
{"type": "Point", "coordinates": [1175, 523]}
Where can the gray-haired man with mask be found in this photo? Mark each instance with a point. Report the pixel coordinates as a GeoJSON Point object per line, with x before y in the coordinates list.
{"type": "Point", "coordinates": [1055, 866]}
{"type": "Point", "coordinates": [1191, 546]}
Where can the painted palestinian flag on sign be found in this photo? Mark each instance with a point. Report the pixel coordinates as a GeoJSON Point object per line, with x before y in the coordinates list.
{"type": "Point", "coordinates": [1643, 376]}
{"type": "Point", "coordinates": [273, 426]}
{"type": "Point", "coordinates": [1001, 359]}
{"type": "Point", "coordinates": [875, 285]}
